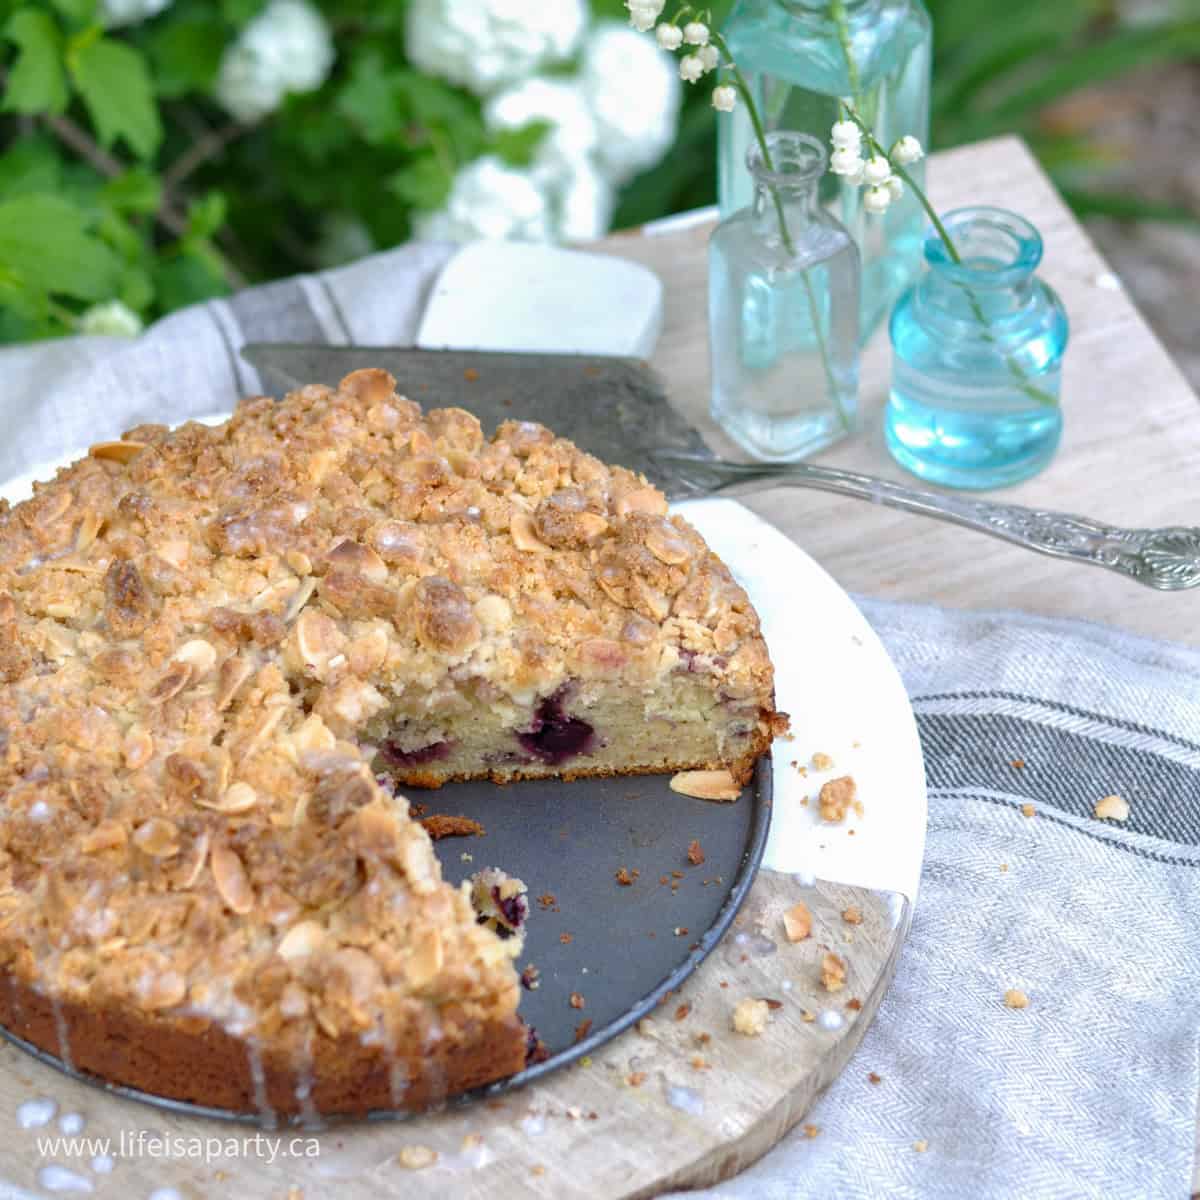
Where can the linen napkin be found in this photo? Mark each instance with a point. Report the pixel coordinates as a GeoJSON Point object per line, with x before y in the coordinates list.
{"type": "Point", "coordinates": [1091, 1089]}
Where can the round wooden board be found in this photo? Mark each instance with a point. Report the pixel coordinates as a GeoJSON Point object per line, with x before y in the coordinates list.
{"type": "Point", "coordinates": [660, 1107]}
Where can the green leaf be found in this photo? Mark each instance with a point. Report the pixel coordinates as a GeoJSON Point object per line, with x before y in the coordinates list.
{"type": "Point", "coordinates": [185, 55]}
{"type": "Point", "coordinates": [241, 12]}
{"type": "Point", "coordinates": [519, 146]}
{"type": "Point", "coordinates": [36, 82]}
{"type": "Point", "coordinates": [30, 165]}
{"type": "Point", "coordinates": [136, 191]}
{"type": "Point", "coordinates": [78, 12]}
{"type": "Point", "coordinates": [205, 216]}
{"type": "Point", "coordinates": [185, 280]}
{"type": "Point", "coordinates": [115, 84]}
{"type": "Point", "coordinates": [369, 101]}
{"type": "Point", "coordinates": [44, 240]}
{"type": "Point", "coordinates": [424, 184]}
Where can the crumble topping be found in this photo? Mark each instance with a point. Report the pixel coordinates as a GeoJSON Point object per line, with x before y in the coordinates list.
{"type": "Point", "coordinates": [205, 635]}
{"type": "Point", "coordinates": [706, 785]}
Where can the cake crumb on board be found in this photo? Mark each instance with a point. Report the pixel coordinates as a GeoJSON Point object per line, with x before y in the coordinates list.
{"type": "Point", "coordinates": [1112, 808]}
{"type": "Point", "coordinates": [750, 1017]}
{"type": "Point", "coordinates": [1027, 810]}
{"type": "Point", "coordinates": [417, 1158]}
{"type": "Point", "coordinates": [822, 761]}
{"type": "Point", "coordinates": [695, 853]}
{"type": "Point", "coordinates": [1015, 998]}
{"type": "Point", "coordinates": [833, 972]}
{"type": "Point", "coordinates": [797, 922]}
{"type": "Point", "coordinates": [921, 1146]}
{"type": "Point", "coordinates": [442, 825]}
{"type": "Point", "coordinates": [852, 915]}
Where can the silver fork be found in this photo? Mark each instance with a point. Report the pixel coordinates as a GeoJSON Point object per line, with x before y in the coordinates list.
{"type": "Point", "coordinates": [1166, 559]}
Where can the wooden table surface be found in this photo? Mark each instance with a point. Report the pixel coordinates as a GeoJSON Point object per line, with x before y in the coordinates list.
{"type": "Point", "coordinates": [1130, 453]}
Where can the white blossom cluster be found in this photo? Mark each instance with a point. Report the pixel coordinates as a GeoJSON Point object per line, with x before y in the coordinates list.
{"type": "Point", "coordinates": [693, 66]}
{"type": "Point", "coordinates": [115, 13]}
{"type": "Point", "coordinates": [877, 173]}
{"type": "Point", "coordinates": [286, 48]}
{"type": "Point", "coordinates": [483, 44]}
{"type": "Point", "coordinates": [614, 117]}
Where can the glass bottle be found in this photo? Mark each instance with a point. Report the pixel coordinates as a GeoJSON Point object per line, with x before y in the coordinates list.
{"type": "Point", "coordinates": [977, 351]}
{"type": "Point", "coordinates": [783, 310]}
{"type": "Point", "coordinates": [796, 56]}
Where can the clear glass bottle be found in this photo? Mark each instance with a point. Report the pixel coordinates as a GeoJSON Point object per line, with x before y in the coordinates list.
{"type": "Point", "coordinates": [977, 350]}
{"type": "Point", "coordinates": [783, 310]}
{"type": "Point", "coordinates": [794, 56]}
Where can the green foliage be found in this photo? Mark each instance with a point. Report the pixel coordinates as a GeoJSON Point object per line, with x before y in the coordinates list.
{"type": "Point", "coordinates": [122, 178]}
{"type": "Point", "coordinates": [36, 81]}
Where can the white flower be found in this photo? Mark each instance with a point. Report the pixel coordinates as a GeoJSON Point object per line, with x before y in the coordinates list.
{"type": "Point", "coordinates": [691, 67]}
{"type": "Point", "coordinates": [895, 187]}
{"type": "Point", "coordinates": [489, 199]}
{"type": "Point", "coordinates": [114, 13]}
{"type": "Point", "coordinates": [483, 44]}
{"type": "Point", "coordinates": [907, 150]}
{"type": "Point", "coordinates": [110, 319]}
{"type": "Point", "coordinates": [877, 199]}
{"type": "Point", "coordinates": [846, 136]}
{"type": "Point", "coordinates": [695, 33]}
{"type": "Point", "coordinates": [580, 201]}
{"type": "Point", "coordinates": [286, 48]}
{"type": "Point", "coordinates": [669, 37]}
{"type": "Point", "coordinates": [582, 205]}
{"type": "Point", "coordinates": [634, 94]}
{"type": "Point", "coordinates": [877, 171]}
{"type": "Point", "coordinates": [846, 161]}
{"type": "Point", "coordinates": [710, 56]}
{"type": "Point", "coordinates": [560, 103]}
{"type": "Point", "coordinates": [643, 13]}
{"type": "Point", "coordinates": [724, 99]}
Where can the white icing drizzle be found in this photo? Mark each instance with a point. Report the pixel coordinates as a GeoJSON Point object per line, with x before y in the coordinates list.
{"type": "Point", "coordinates": [685, 1099]}
{"type": "Point", "coordinates": [62, 1179]}
{"type": "Point", "coordinates": [33, 1114]}
{"type": "Point", "coordinates": [259, 1079]}
{"type": "Point", "coordinates": [533, 1124]}
{"type": "Point", "coordinates": [71, 1123]}
{"type": "Point", "coordinates": [60, 1026]}
{"type": "Point", "coordinates": [310, 1118]}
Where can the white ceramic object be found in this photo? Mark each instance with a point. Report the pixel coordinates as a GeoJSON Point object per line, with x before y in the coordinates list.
{"type": "Point", "coordinates": [845, 699]}
{"type": "Point", "coordinates": [542, 299]}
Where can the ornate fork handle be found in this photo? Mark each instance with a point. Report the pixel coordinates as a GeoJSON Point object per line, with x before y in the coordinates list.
{"type": "Point", "coordinates": [1166, 559]}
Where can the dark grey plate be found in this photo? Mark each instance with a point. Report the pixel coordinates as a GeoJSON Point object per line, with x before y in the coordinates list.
{"type": "Point", "coordinates": [624, 953]}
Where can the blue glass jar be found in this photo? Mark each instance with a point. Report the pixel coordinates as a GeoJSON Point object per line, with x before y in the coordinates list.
{"type": "Point", "coordinates": [977, 350]}
{"type": "Point", "coordinates": [783, 310]}
{"type": "Point", "coordinates": [801, 58]}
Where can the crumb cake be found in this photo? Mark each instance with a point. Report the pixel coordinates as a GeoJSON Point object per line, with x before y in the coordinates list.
{"type": "Point", "coordinates": [221, 649]}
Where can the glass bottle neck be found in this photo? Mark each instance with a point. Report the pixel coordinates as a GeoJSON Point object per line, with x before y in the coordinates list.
{"type": "Point", "coordinates": [821, 12]}
{"type": "Point", "coordinates": [799, 204]}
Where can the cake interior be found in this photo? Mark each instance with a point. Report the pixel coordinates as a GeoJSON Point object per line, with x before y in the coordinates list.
{"type": "Point", "coordinates": [593, 727]}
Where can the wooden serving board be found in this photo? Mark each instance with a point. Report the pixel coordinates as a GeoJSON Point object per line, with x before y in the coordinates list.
{"type": "Point", "coordinates": [660, 1107]}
